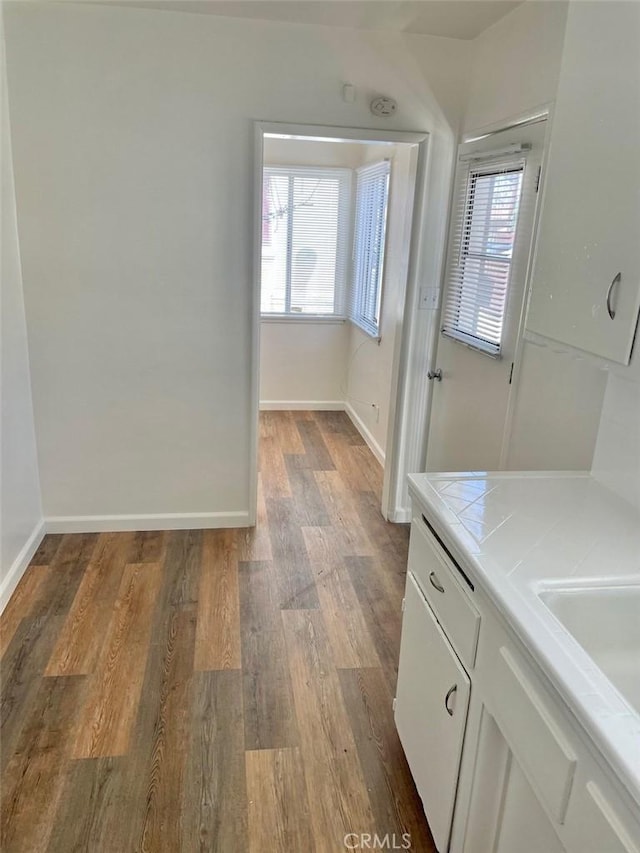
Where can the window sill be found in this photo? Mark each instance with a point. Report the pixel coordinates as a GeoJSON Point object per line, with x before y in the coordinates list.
{"type": "Point", "coordinates": [302, 318]}
{"type": "Point", "coordinates": [375, 336]}
{"type": "Point", "coordinates": [471, 343]}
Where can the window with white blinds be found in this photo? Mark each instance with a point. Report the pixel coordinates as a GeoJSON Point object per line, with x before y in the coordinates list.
{"type": "Point", "coordinates": [372, 195]}
{"type": "Point", "coordinates": [306, 232]}
{"type": "Point", "coordinates": [486, 208]}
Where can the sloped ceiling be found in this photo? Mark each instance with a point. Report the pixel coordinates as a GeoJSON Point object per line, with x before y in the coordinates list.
{"type": "Point", "coordinates": [461, 19]}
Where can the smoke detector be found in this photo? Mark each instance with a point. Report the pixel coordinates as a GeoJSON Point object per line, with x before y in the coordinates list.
{"type": "Point", "coordinates": [383, 106]}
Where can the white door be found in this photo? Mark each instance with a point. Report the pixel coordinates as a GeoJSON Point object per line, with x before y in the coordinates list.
{"type": "Point", "coordinates": [470, 402]}
{"type": "Point", "coordinates": [432, 699]}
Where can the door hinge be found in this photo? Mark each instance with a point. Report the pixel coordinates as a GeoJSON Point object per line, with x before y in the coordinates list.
{"type": "Point", "coordinates": [394, 703]}
{"type": "Point", "coordinates": [511, 373]}
{"type": "Point", "coordinates": [403, 604]}
{"type": "Point", "coordinates": [538, 178]}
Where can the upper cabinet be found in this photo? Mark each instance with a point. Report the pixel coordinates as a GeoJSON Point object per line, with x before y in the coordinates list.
{"type": "Point", "coordinates": [585, 288]}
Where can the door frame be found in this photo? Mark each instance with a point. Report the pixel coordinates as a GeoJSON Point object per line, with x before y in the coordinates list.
{"type": "Point", "coordinates": [405, 439]}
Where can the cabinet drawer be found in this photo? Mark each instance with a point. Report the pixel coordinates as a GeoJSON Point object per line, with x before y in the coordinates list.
{"type": "Point", "coordinates": [436, 576]}
{"type": "Point", "coordinates": [528, 722]}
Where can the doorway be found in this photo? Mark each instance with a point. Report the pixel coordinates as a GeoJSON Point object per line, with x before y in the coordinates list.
{"type": "Point", "coordinates": [335, 215]}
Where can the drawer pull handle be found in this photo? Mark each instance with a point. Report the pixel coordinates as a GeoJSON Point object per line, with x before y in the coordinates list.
{"type": "Point", "coordinates": [615, 281]}
{"type": "Point", "coordinates": [435, 583]}
{"type": "Point", "coordinates": [450, 693]}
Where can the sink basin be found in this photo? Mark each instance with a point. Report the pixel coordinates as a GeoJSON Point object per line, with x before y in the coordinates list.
{"type": "Point", "coordinates": [605, 621]}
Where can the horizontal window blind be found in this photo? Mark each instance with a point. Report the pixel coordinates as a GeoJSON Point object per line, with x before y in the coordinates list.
{"type": "Point", "coordinates": [485, 211]}
{"type": "Point", "coordinates": [372, 194]}
{"type": "Point", "coordinates": [306, 232]}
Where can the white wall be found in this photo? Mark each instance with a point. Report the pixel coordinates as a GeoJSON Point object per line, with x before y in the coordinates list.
{"type": "Point", "coordinates": [309, 152]}
{"type": "Point", "coordinates": [558, 392]}
{"type": "Point", "coordinates": [558, 405]}
{"type": "Point", "coordinates": [370, 396]}
{"type": "Point", "coordinates": [133, 158]}
{"type": "Point", "coordinates": [616, 461]}
{"type": "Point", "coordinates": [303, 364]}
{"type": "Point", "coordinates": [516, 64]}
{"type": "Point", "coordinates": [21, 525]}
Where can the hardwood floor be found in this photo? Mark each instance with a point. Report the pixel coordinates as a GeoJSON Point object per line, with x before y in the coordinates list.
{"type": "Point", "coordinates": [218, 690]}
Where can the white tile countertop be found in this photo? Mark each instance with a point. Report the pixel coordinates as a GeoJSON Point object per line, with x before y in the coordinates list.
{"type": "Point", "coordinates": [518, 533]}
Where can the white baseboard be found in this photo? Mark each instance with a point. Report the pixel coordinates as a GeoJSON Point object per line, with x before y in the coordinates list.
{"type": "Point", "coordinates": [374, 447]}
{"type": "Point", "coordinates": [402, 515]}
{"type": "Point", "coordinates": [160, 521]}
{"type": "Point", "coordinates": [20, 564]}
{"type": "Point", "coordinates": [302, 405]}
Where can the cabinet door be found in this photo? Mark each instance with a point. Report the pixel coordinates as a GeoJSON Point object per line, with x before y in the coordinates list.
{"type": "Point", "coordinates": [432, 699]}
{"type": "Point", "coordinates": [595, 825]}
{"type": "Point", "coordinates": [504, 809]}
{"type": "Point", "coordinates": [590, 219]}
{"type": "Point", "coordinates": [522, 817]}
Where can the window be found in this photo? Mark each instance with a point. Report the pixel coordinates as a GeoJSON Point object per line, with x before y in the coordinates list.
{"type": "Point", "coordinates": [305, 241]}
{"type": "Point", "coordinates": [484, 230]}
{"type": "Point", "coordinates": [372, 194]}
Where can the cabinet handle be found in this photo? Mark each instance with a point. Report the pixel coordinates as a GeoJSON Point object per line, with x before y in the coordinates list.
{"type": "Point", "coordinates": [617, 279]}
{"type": "Point", "coordinates": [450, 693]}
{"type": "Point", "coordinates": [433, 578]}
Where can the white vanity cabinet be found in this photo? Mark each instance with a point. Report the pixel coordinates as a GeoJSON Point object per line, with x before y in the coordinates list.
{"type": "Point", "coordinates": [585, 287]}
{"type": "Point", "coordinates": [499, 761]}
{"type": "Point", "coordinates": [439, 632]}
{"type": "Point", "coordinates": [535, 785]}
{"type": "Point", "coordinates": [431, 710]}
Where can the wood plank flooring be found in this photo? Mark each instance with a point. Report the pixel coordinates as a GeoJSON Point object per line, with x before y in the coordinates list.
{"type": "Point", "coordinates": [218, 690]}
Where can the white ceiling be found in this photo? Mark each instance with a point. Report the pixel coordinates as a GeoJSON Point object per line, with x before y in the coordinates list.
{"type": "Point", "coordinates": [462, 19]}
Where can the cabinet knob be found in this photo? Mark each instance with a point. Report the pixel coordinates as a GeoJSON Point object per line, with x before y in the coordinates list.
{"type": "Point", "coordinates": [450, 693]}
{"type": "Point", "coordinates": [616, 280]}
{"type": "Point", "coordinates": [435, 374]}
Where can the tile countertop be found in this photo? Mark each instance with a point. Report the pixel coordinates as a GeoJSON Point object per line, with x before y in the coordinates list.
{"type": "Point", "coordinates": [519, 532]}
